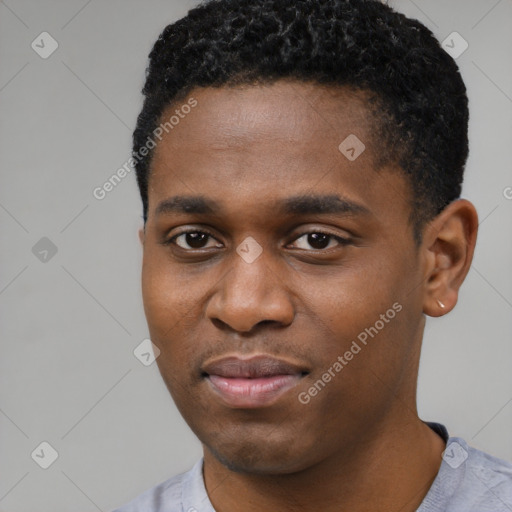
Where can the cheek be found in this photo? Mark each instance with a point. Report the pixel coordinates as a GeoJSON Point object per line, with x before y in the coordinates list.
{"type": "Point", "coordinates": [349, 303]}
{"type": "Point", "coordinates": [172, 304]}
{"type": "Point", "coordinates": [363, 321]}
{"type": "Point", "coordinates": [166, 296]}
{"type": "Point", "coordinates": [357, 389]}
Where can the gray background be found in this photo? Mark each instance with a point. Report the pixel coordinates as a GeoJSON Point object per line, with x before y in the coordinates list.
{"type": "Point", "coordinates": [70, 324]}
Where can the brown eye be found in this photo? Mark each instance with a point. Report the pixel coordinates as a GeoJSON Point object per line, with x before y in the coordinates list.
{"type": "Point", "coordinates": [318, 241]}
{"type": "Point", "coordinates": [192, 240]}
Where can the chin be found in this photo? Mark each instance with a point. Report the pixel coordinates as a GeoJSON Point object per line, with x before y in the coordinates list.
{"type": "Point", "coordinates": [265, 456]}
{"type": "Point", "coordinates": [248, 460]}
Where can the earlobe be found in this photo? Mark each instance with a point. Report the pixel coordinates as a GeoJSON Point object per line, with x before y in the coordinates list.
{"type": "Point", "coordinates": [141, 236]}
{"type": "Point", "coordinates": [449, 244]}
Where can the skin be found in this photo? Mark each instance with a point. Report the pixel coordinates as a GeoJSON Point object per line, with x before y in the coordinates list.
{"type": "Point", "coordinates": [248, 148]}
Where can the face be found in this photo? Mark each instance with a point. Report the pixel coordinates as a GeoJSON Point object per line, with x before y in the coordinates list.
{"type": "Point", "coordinates": [280, 277]}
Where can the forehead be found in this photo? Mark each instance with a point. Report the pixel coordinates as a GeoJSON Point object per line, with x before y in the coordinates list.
{"type": "Point", "coordinates": [286, 112]}
{"type": "Point", "coordinates": [264, 142]}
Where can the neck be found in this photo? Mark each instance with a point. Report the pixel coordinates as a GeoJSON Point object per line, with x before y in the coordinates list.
{"type": "Point", "coordinates": [392, 470]}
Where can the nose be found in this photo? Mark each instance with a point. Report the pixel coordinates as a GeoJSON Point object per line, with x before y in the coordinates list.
{"type": "Point", "coordinates": [250, 294]}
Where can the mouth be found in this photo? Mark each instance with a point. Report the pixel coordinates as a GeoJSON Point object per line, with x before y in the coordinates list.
{"type": "Point", "coordinates": [258, 381]}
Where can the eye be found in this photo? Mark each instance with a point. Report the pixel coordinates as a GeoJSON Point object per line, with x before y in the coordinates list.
{"type": "Point", "coordinates": [319, 240]}
{"type": "Point", "coordinates": [197, 240]}
{"type": "Point", "coordinates": [190, 240]}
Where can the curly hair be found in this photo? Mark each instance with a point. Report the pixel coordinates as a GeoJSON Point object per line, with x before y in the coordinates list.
{"type": "Point", "coordinates": [418, 100]}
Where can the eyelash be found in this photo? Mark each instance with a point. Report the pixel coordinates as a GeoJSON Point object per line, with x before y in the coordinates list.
{"type": "Point", "coordinates": [342, 241]}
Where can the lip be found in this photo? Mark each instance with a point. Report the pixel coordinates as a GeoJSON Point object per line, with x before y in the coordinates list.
{"type": "Point", "coordinates": [251, 382]}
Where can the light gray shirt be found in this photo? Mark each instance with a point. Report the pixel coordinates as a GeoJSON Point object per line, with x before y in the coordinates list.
{"type": "Point", "coordinates": [468, 481]}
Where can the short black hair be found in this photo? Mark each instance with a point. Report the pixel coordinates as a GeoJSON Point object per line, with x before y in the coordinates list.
{"type": "Point", "coordinates": [419, 101]}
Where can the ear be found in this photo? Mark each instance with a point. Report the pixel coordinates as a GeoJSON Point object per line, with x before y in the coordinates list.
{"type": "Point", "coordinates": [142, 235]}
{"type": "Point", "coordinates": [448, 244]}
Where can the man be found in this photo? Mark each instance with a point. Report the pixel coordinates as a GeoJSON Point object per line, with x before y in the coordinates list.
{"type": "Point", "coordinates": [300, 166]}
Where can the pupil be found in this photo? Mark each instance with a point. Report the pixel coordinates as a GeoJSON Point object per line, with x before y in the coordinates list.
{"type": "Point", "coordinates": [318, 240]}
{"type": "Point", "coordinates": [196, 240]}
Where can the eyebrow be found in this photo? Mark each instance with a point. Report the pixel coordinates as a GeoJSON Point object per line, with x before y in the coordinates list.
{"type": "Point", "coordinates": [298, 205]}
